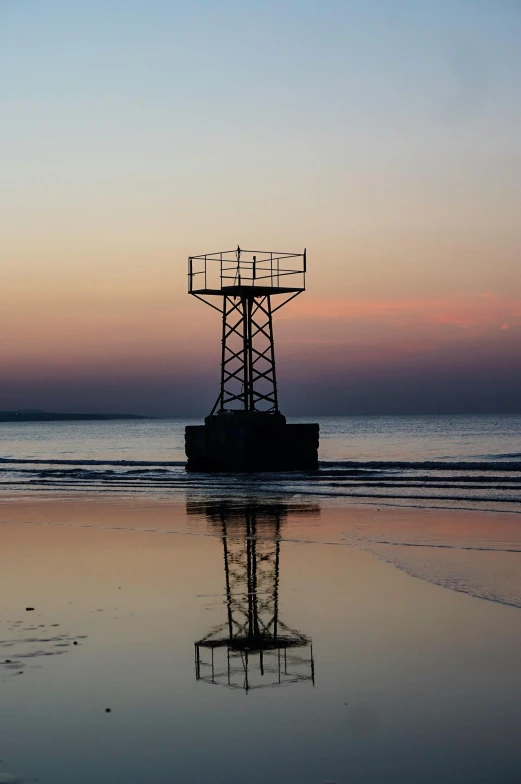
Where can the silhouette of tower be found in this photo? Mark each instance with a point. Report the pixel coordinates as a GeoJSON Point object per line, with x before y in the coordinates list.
{"type": "Point", "coordinates": [245, 429]}
{"type": "Point", "coordinates": [253, 648]}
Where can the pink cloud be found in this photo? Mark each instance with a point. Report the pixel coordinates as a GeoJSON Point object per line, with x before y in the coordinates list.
{"type": "Point", "coordinates": [380, 333]}
{"type": "Point", "coordinates": [472, 313]}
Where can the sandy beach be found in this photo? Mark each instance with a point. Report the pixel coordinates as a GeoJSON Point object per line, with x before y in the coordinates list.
{"type": "Point", "coordinates": [401, 677]}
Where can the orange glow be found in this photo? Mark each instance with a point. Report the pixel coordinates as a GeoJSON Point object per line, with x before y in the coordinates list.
{"type": "Point", "coordinates": [126, 338]}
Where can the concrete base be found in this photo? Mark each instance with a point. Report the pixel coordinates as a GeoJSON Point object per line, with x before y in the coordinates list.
{"type": "Point", "coordinates": [250, 441]}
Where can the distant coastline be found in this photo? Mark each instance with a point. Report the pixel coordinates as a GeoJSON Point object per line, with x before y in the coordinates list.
{"type": "Point", "coordinates": [52, 416]}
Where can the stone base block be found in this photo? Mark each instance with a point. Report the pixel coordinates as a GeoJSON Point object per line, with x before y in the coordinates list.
{"type": "Point", "coordinates": [250, 441]}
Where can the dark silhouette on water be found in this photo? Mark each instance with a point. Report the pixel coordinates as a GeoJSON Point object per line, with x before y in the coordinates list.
{"type": "Point", "coordinates": [51, 416]}
{"type": "Point", "coordinates": [253, 648]}
{"type": "Point", "coordinates": [245, 430]}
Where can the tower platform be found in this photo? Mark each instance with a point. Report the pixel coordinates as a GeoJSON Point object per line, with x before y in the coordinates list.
{"type": "Point", "coordinates": [251, 441]}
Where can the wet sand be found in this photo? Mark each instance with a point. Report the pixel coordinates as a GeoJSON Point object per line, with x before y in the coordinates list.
{"type": "Point", "coordinates": [396, 674]}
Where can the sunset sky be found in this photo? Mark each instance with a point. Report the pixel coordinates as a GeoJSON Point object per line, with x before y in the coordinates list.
{"type": "Point", "coordinates": [384, 136]}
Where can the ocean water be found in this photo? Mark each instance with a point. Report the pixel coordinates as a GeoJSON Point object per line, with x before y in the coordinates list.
{"type": "Point", "coordinates": [449, 461]}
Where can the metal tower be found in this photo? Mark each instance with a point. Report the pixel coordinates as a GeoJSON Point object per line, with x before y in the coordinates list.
{"type": "Point", "coordinates": [247, 282]}
{"type": "Point", "coordinates": [253, 648]}
{"type": "Point", "coordinates": [245, 430]}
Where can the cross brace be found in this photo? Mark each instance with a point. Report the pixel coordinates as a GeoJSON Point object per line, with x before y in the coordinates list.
{"type": "Point", "coordinates": [248, 377]}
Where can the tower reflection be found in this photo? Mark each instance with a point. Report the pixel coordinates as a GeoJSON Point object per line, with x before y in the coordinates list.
{"type": "Point", "coordinates": [253, 647]}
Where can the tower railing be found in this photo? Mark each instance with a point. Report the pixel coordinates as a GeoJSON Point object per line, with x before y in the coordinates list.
{"type": "Point", "coordinates": [218, 273]}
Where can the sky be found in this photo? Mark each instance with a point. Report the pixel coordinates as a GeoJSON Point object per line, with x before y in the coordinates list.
{"type": "Point", "coordinates": [383, 136]}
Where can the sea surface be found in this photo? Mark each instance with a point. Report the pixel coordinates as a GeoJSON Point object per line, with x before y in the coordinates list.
{"type": "Point", "coordinates": [449, 461]}
{"type": "Point", "coordinates": [355, 624]}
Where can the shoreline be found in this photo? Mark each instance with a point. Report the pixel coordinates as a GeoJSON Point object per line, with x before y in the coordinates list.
{"type": "Point", "coordinates": [476, 554]}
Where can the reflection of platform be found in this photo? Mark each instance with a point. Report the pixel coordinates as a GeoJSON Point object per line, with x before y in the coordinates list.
{"type": "Point", "coordinates": [253, 648]}
{"type": "Point", "coordinates": [285, 660]}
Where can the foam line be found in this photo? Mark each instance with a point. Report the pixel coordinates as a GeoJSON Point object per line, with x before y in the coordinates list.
{"type": "Point", "coordinates": [424, 465]}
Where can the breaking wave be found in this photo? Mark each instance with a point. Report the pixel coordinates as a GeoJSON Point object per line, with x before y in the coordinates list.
{"type": "Point", "coordinates": [480, 484]}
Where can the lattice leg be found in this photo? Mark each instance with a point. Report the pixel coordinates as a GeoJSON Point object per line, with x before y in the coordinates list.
{"type": "Point", "coordinates": [248, 377]}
